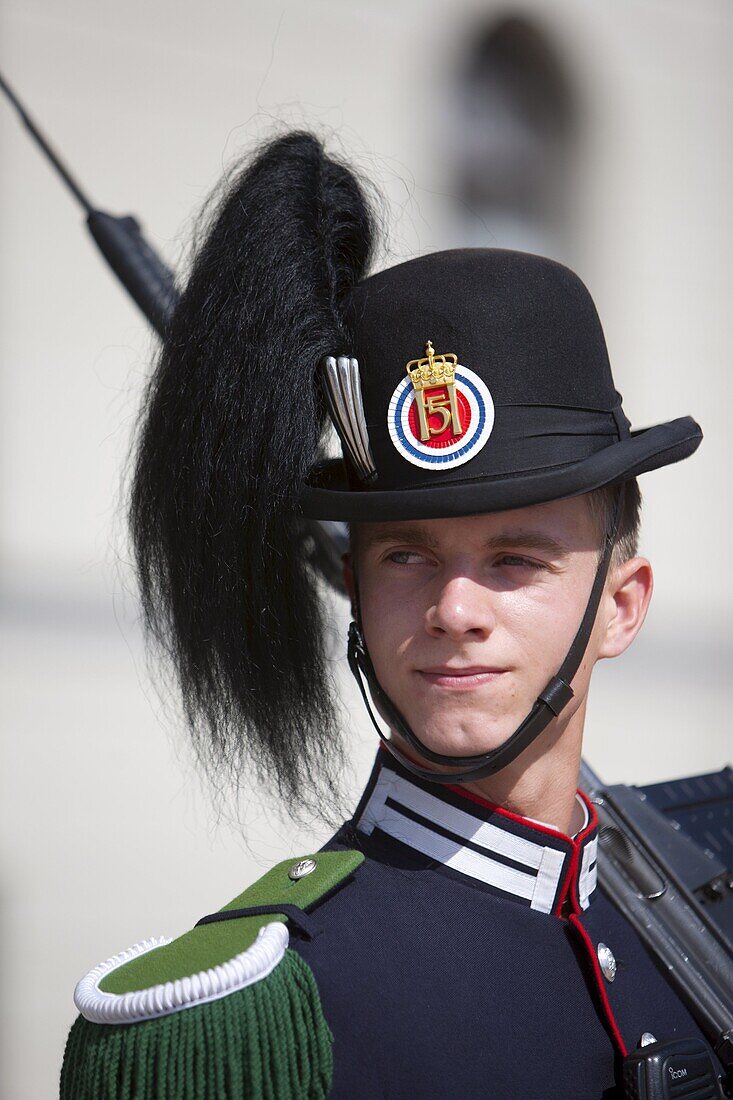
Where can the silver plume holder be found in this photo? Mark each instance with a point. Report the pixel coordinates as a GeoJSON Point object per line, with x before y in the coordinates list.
{"type": "Point", "coordinates": [342, 386]}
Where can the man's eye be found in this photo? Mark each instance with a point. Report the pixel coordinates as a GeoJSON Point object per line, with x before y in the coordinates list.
{"type": "Point", "coordinates": [517, 561]}
{"type": "Point", "coordinates": [405, 557]}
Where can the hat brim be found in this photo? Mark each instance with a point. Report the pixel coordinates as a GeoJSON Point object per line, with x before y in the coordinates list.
{"type": "Point", "coordinates": [326, 493]}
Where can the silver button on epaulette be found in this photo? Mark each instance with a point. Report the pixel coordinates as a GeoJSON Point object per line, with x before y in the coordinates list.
{"type": "Point", "coordinates": [608, 962]}
{"type": "Point", "coordinates": [302, 868]}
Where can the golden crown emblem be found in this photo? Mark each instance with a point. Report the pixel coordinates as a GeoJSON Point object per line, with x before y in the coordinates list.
{"type": "Point", "coordinates": [433, 372]}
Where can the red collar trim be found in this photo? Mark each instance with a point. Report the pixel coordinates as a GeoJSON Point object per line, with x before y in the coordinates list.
{"type": "Point", "coordinates": [495, 808]}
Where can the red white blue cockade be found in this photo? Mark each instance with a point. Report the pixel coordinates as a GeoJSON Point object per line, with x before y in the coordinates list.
{"type": "Point", "coordinates": [448, 444]}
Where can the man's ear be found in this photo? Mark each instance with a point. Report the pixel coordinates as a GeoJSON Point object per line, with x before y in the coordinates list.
{"type": "Point", "coordinates": [628, 593]}
{"type": "Point", "coordinates": [348, 575]}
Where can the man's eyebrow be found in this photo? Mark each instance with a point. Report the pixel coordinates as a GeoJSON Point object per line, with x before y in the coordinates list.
{"type": "Point", "coordinates": [529, 540]}
{"type": "Point", "coordinates": [416, 534]}
{"type": "Point", "coordinates": [372, 535]}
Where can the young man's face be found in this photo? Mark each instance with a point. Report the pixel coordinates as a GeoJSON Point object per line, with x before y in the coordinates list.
{"type": "Point", "coordinates": [467, 619]}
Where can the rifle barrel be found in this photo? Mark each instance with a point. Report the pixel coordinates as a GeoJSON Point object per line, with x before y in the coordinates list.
{"type": "Point", "coordinates": [45, 147]}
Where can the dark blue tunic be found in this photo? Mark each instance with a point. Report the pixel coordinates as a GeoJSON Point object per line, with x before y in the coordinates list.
{"type": "Point", "coordinates": [461, 960]}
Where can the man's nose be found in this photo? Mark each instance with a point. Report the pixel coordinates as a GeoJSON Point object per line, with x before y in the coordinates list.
{"type": "Point", "coordinates": [462, 607]}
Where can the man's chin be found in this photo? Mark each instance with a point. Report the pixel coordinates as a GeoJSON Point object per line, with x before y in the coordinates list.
{"type": "Point", "coordinates": [459, 742]}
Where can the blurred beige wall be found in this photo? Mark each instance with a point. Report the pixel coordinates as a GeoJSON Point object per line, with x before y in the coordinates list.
{"type": "Point", "coordinates": [107, 836]}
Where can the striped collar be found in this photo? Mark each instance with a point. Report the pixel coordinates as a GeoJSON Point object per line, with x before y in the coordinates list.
{"type": "Point", "coordinates": [511, 856]}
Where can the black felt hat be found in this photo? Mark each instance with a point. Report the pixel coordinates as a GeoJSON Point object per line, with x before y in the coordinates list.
{"type": "Point", "coordinates": [508, 400]}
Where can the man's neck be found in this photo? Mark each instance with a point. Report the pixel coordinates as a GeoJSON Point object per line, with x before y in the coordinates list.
{"type": "Point", "coordinates": [542, 782]}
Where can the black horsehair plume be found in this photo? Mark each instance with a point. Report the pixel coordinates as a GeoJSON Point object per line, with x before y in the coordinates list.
{"type": "Point", "coordinates": [233, 417]}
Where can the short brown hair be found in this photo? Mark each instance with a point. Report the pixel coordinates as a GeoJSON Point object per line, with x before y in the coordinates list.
{"type": "Point", "coordinates": [602, 503]}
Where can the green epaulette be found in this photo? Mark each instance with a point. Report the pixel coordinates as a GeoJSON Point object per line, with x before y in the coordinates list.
{"type": "Point", "coordinates": [225, 1012]}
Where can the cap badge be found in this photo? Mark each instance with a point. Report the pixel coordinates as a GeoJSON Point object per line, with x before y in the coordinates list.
{"type": "Point", "coordinates": [441, 414]}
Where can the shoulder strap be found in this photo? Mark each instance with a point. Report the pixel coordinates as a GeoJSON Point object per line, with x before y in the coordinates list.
{"type": "Point", "coordinates": [224, 1012]}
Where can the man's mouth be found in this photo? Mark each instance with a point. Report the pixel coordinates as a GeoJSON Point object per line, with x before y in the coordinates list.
{"type": "Point", "coordinates": [460, 677]}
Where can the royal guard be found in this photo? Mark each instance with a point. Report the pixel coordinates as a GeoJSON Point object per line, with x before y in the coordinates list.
{"type": "Point", "coordinates": [450, 940]}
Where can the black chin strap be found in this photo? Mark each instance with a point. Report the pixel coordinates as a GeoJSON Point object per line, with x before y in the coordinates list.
{"type": "Point", "coordinates": [548, 705]}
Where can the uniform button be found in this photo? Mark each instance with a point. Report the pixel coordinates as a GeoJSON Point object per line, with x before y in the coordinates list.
{"type": "Point", "coordinates": [302, 868]}
{"type": "Point", "coordinates": [607, 961]}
